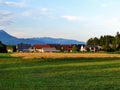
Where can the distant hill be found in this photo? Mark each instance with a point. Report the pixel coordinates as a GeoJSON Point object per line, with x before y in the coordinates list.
{"type": "Point", "coordinates": [11, 40]}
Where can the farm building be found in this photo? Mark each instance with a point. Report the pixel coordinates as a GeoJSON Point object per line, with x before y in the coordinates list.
{"type": "Point", "coordinates": [51, 49]}
{"type": "Point", "coordinates": [38, 48]}
{"type": "Point", "coordinates": [45, 48]}
{"type": "Point", "coordinates": [57, 46]}
{"type": "Point", "coordinates": [23, 47]}
{"type": "Point", "coordinates": [80, 47]}
{"type": "Point", "coordinates": [91, 48]}
{"type": "Point", "coordinates": [66, 48]}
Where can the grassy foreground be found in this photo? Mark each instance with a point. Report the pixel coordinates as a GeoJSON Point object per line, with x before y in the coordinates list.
{"type": "Point", "coordinates": [59, 74]}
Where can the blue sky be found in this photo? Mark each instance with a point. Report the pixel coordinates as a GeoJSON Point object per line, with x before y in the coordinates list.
{"type": "Point", "coordinates": [70, 19]}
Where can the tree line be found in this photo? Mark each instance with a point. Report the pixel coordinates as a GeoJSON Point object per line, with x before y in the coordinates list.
{"type": "Point", "coordinates": [2, 48]}
{"type": "Point", "coordinates": [107, 42]}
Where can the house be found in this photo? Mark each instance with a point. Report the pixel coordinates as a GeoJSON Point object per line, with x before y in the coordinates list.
{"type": "Point", "coordinates": [66, 48]}
{"type": "Point", "coordinates": [91, 48]}
{"type": "Point", "coordinates": [39, 48]}
{"type": "Point", "coordinates": [23, 47]}
{"type": "Point", "coordinates": [46, 48]}
{"type": "Point", "coordinates": [80, 47]}
{"type": "Point", "coordinates": [57, 46]}
{"type": "Point", "coordinates": [50, 49]}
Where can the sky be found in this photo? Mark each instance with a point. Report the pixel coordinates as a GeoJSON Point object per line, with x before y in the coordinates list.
{"type": "Point", "coordinates": [69, 19]}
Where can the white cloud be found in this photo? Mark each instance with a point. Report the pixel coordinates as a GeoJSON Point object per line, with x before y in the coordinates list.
{"type": "Point", "coordinates": [75, 18]}
{"type": "Point", "coordinates": [17, 4]}
{"type": "Point", "coordinates": [39, 13]}
{"type": "Point", "coordinates": [5, 18]}
{"type": "Point", "coordinates": [45, 11]}
{"type": "Point", "coordinates": [5, 21]}
{"type": "Point", "coordinates": [27, 13]}
{"type": "Point", "coordinates": [96, 20]}
{"type": "Point", "coordinates": [4, 13]}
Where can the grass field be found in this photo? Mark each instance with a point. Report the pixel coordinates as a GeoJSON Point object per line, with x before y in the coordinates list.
{"type": "Point", "coordinates": [59, 74]}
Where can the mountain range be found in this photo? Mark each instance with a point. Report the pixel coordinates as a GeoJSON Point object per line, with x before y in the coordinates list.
{"type": "Point", "coordinates": [11, 40]}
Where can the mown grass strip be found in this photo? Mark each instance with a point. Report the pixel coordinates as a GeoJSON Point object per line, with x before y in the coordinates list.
{"type": "Point", "coordinates": [65, 65]}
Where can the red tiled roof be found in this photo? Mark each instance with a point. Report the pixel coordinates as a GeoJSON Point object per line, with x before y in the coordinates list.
{"type": "Point", "coordinates": [41, 46]}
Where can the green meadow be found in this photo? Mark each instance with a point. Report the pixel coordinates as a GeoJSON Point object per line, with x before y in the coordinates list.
{"type": "Point", "coordinates": [59, 74]}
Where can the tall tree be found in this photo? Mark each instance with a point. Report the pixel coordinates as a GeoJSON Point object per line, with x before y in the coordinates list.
{"type": "Point", "coordinates": [102, 41]}
{"type": "Point", "coordinates": [90, 41]}
{"type": "Point", "coordinates": [96, 41]}
{"type": "Point", "coordinates": [117, 41]}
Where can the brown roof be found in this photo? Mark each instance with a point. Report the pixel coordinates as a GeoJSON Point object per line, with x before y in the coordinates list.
{"type": "Point", "coordinates": [66, 47]}
{"type": "Point", "coordinates": [41, 46]}
{"type": "Point", "coordinates": [57, 46]}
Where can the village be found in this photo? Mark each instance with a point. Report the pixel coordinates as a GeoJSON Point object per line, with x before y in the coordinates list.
{"type": "Point", "coordinates": [53, 48]}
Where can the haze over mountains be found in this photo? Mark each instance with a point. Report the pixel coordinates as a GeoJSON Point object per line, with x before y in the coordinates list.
{"type": "Point", "coordinates": [11, 40]}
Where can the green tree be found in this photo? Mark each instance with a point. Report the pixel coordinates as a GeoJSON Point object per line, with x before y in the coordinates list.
{"type": "Point", "coordinates": [108, 42]}
{"type": "Point", "coordinates": [117, 41]}
{"type": "Point", "coordinates": [74, 48]}
{"type": "Point", "coordinates": [102, 41]}
{"type": "Point", "coordinates": [96, 41]}
{"type": "Point", "coordinates": [90, 41]}
{"type": "Point", "coordinates": [106, 46]}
